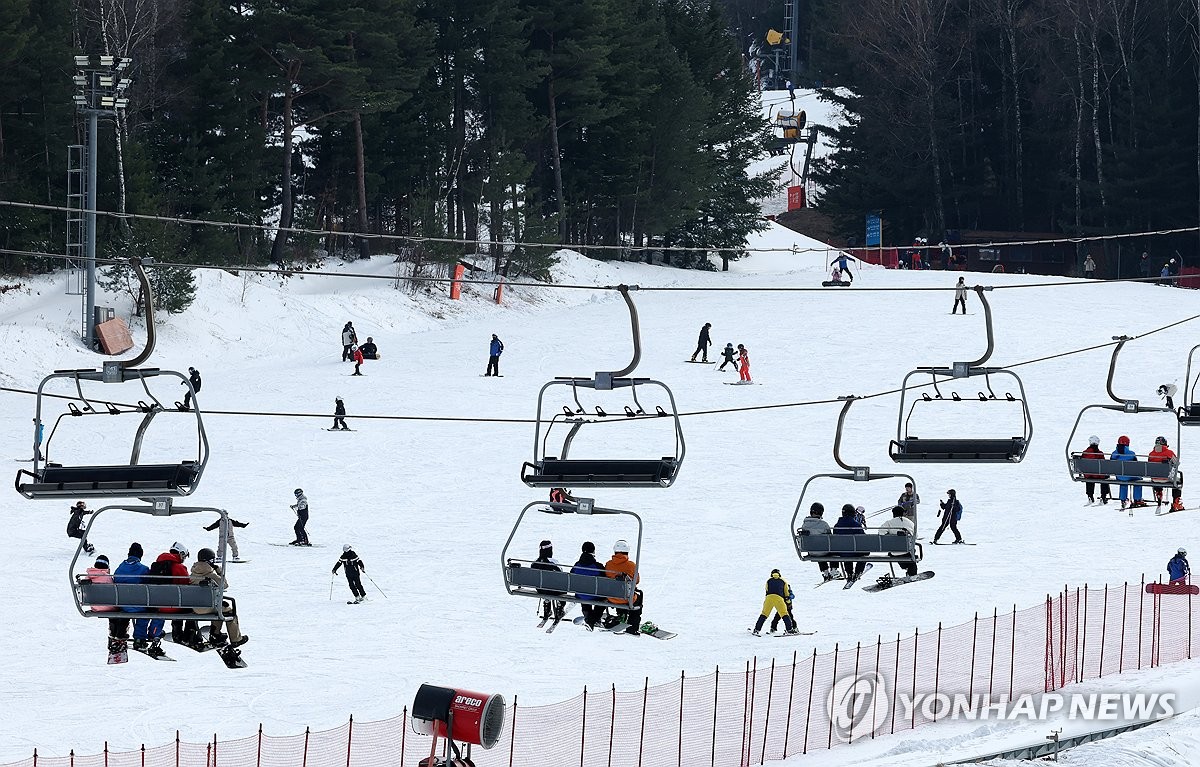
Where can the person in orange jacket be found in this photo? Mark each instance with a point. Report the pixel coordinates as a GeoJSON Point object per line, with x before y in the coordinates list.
{"type": "Point", "coordinates": [621, 566]}
{"type": "Point", "coordinates": [1162, 453]}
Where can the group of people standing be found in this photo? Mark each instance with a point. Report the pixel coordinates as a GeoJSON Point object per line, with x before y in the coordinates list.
{"type": "Point", "coordinates": [739, 358]}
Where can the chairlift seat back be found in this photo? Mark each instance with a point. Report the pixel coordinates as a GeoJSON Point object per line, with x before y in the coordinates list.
{"type": "Point", "coordinates": [1010, 449]}
{"type": "Point", "coordinates": [857, 547]}
{"type": "Point", "coordinates": [148, 596]}
{"type": "Point", "coordinates": [565, 586]}
{"type": "Point", "coordinates": [1148, 473]}
{"type": "Point", "coordinates": [557, 472]}
{"type": "Point", "coordinates": [1190, 415]}
{"type": "Point", "coordinates": [55, 480]}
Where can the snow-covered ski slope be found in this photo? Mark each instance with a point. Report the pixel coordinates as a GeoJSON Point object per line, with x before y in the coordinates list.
{"type": "Point", "coordinates": [428, 504]}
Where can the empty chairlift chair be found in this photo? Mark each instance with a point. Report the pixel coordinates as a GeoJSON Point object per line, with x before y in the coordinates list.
{"type": "Point", "coordinates": [1011, 448]}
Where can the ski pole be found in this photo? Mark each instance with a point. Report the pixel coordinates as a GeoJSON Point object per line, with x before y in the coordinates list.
{"type": "Point", "coordinates": [331, 577]}
{"type": "Point", "coordinates": [376, 585]}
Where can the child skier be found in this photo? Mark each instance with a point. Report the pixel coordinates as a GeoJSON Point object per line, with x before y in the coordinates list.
{"type": "Point", "coordinates": [354, 566]}
{"type": "Point", "coordinates": [301, 509]}
{"type": "Point", "coordinates": [339, 415]}
{"type": "Point", "coordinates": [743, 363]}
{"type": "Point", "coordinates": [357, 355]}
{"type": "Point", "coordinates": [730, 357]}
{"type": "Point", "coordinates": [777, 592]}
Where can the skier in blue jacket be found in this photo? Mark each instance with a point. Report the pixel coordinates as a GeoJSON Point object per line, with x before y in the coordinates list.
{"type": "Point", "coordinates": [145, 631]}
{"type": "Point", "coordinates": [1178, 567]}
{"type": "Point", "coordinates": [495, 350]}
{"type": "Point", "coordinates": [1125, 453]}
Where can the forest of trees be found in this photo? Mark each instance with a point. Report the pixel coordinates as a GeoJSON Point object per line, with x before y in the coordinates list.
{"type": "Point", "coordinates": [602, 122]}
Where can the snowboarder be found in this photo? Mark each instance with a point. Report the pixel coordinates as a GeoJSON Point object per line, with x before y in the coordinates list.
{"type": "Point", "coordinates": [1125, 453]}
{"type": "Point", "coordinates": [225, 534]}
{"type": "Point", "coordinates": [813, 524]}
{"type": "Point", "coordinates": [1178, 568]}
{"type": "Point", "coordinates": [301, 509]}
{"type": "Point", "coordinates": [593, 609]}
{"type": "Point", "coordinates": [194, 379]}
{"type": "Point", "coordinates": [909, 500]}
{"type": "Point", "coordinates": [354, 566]}
{"type": "Point", "coordinates": [951, 512]}
{"type": "Point", "coordinates": [843, 263]}
{"type": "Point", "coordinates": [743, 363]}
{"type": "Point", "coordinates": [777, 593]}
{"type": "Point", "coordinates": [960, 296]}
{"type": "Point", "coordinates": [169, 569]}
{"type": "Point", "coordinates": [369, 350]}
{"type": "Point", "coordinates": [349, 339]}
{"type": "Point", "coordinates": [75, 525]}
{"type": "Point", "coordinates": [147, 634]}
{"type": "Point", "coordinates": [357, 355]}
{"type": "Point", "coordinates": [495, 349]}
{"type": "Point", "coordinates": [703, 343]}
{"type": "Point", "coordinates": [339, 414]}
{"type": "Point", "coordinates": [37, 446]}
{"type": "Point", "coordinates": [621, 566]}
{"type": "Point", "coordinates": [1093, 451]}
{"type": "Point", "coordinates": [849, 524]}
{"type": "Point", "coordinates": [1089, 268]}
{"type": "Point", "coordinates": [206, 570]}
{"type": "Point", "coordinates": [900, 524]}
{"type": "Point", "coordinates": [1167, 392]}
{"type": "Point", "coordinates": [835, 277]}
{"type": "Point", "coordinates": [730, 356]}
{"type": "Point", "coordinates": [546, 561]}
{"type": "Point", "coordinates": [1162, 453]}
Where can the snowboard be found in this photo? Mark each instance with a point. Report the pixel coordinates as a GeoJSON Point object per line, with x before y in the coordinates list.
{"type": "Point", "coordinates": [118, 651]}
{"type": "Point", "coordinates": [298, 546]}
{"type": "Point", "coordinates": [231, 657]}
{"type": "Point", "coordinates": [341, 430]}
{"type": "Point", "coordinates": [850, 583]}
{"type": "Point", "coordinates": [832, 284]}
{"type": "Point", "coordinates": [204, 645]}
{"type": "Point", "coordinates": [146, 651]}
{"type": "Point", "coordinates": [885, 584]}
{"type": "Point", "coordinates": [485, 375]}
{"type": "Point", "coordinates": [1172, 588]}
{"type": "Point", "coordinates": [237, 561]}
{"type": "Point", "coordinates": [622, 628]}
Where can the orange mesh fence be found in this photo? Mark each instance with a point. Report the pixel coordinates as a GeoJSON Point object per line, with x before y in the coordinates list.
{"type": "Point", "coordinates": [768, 709]}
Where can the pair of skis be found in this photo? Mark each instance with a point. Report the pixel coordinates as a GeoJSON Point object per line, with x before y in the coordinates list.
{"type": "Point", "coordinates": [841, 577]}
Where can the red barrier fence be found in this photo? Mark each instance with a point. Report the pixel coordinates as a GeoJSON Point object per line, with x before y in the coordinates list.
{"type": "Point", "coordinates": [764, 711]}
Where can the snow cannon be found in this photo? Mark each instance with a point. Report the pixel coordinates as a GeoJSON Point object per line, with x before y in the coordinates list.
{"type": "Point", "coordinates": [472, 718]}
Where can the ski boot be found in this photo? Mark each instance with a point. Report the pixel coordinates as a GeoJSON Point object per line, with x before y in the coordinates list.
{"type": "Point", "coordinates": [1177, 504]}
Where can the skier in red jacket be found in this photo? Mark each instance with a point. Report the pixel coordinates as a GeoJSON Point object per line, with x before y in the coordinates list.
{"type": "Point", "coordinates": [1164, 454]}
{"type": "Point", "coordinates": [357, 355]}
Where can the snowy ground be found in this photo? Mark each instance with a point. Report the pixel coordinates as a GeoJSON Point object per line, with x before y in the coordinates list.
{"type": "Point", "coordinates": [429, 504]}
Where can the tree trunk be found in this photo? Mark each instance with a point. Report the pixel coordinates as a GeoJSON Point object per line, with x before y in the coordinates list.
{"type": "Point", "coordinates": [1018, 140]}
{"type": "Point", "coordinates": [360, 178]}
{"type": "Point", "coordinates": [556, 160]}
{"type": "Point", "coordinates": [1096, 120]}
{"type": "Point", "coordinates": [285, 206]}
{"type": "Point", "coordinates": [1078, 128]}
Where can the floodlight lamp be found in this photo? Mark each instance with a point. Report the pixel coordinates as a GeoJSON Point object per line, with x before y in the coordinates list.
{"type": "Point", "coordinates": [107, 102]}
{"type": "Point", "coordinates": [123, 83]}
{"type": "Point", "coordinates": [121, 103]}
{"type": "Point", "coordinates": [122, 64]}
{"type": "Point", "coordinates": [83, 61]}
{"type": "Point", "coordinates": [107, 81]}
{"type": "Point", "coordinates": [80, 100]}
{"type": "Point", "coordinates": [107, 61]}
{"type": "Point", "coordinates": [79, 80]}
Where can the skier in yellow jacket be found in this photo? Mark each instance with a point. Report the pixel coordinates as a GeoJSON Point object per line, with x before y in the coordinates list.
{"type": "Point", "coordinates": [778, 597]}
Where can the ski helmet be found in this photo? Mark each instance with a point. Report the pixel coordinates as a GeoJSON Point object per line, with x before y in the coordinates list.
{"type": "Point", "coordinates": [817, 508]}
{"type": "Point", "coordinates": [338, 398]}
{"type": "Point", "coordinates": [345, 547]}
{"type": "Point", "coordinates": [1123, 440]}
{"type": "Point", "coordinates": [1183, 552]}
{"type": "Point", "coordinates": [180, 549]}
{"type": "Point", "coordinates": [860, 510]}
{"type": "Point", "coordinates": [206, 555]}
{"type": "Point", "coordinates": [1093, 440]}
{"type": "Point", "coordinates": [299, 492]}
{"type": "Point", "coordinates": [621, 547]}
{"type": "Point", "coordinates": [1160, 441]}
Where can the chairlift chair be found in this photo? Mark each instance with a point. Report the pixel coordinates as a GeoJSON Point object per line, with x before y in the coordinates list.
{"type": "Point", "coordinates": [564, 471]}
{"type": "Point", "coordinates": [49, 479]}
{"type": "Point", "coordinates": [1143, 472]}
{"type": "Point", "coordinates": [874, 545]}
{"type": "Point", "coordinates": [521, 579]}
{"type": "Point", "coordinates": [1189, 411]}
{"type": "Point", "coordinates": [907, 447]}
{"type": "Point", "coordinates": [147, 599]}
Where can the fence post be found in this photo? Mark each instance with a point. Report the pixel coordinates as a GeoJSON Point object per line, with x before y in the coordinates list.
{"type": "Point", "coordinates": [612, 724]}
{"type": "Point", "coordinates": [214, 750]}
{"type": "Point", "coordinates": [349, 739]}
{"type": "Point", "coordinates": [992, 661]}
{"type": "Point", "coordinates": [642, 730]}
{"type": "Point", "coordinates": [106, 753]}
{"type": "Point", "coordinates": [937, 669]}
{"type": "Point", "coordinates": [812, 678]}
{"type": "Point", "coordinates": [1082, 655]}
{"type": "Point", "coordinates": [829, 744]}
{"type": "Point", "coordinates": [1141, 613]}
{"type": "Point", "coordinates": [143, 759]}
{"type": "Point", "coordinates": [712, 759]}
{"type": "Point", "coordinates": [744, 754]}
{"type": "Point", "coordinates": [258, 749]}
{"type": "Point", "coordinates": [1012, 655]}
{"type": "Point", "coordinates": [1048, 662]}
{"type": "Point", "coordinates": [1103, 631]}
{"type": "Point", "coordinates": [874, 708]}
{"type": "Point", "coordinates": [767, 717]}
{"type": "Point", "coordinates": [1124, 607]}
{"type": "Point", "coordinates": [512, 744]}
{"type": "Point", "coordinates": [787, 726]}
{"type": "Point", "coordinates": [176, 749]}
{"type": "Point", "coordinates": [1189, 644]}
{"type": "Point", "coordinates": [971, 683]}
{"type": "Point", "coordinates": [895, 683]}
{"type": "Point", "coordinates": [304, 760]}
{"type": "Point", "coordinates": [916, 641]}
{"type": "Point", "coordinates": [404, 730]}
{"type": "Point", "coordinates": [857, 656]}
{"type": "Point", "coordinates": [73, 758]}
{"type": "Point", "coordinates": [583, 728]}
{"type": "Point", "coordinates": [679, 745]}
{"type": "Point", "coordinates": [1062, 628]}
{"type": "Point", "coordinates": [35, 755]}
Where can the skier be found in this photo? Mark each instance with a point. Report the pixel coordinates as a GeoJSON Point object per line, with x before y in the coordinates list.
{"type": "Point", "coordinates": [339, 414]}
{"type": "Point", "coordinates": [546, 561]}
{"type": "Point", "coordinates": [1162, 453]}
{"type": "Point", "coordinates": [730, 357]}
{"type": "Point", "coordinates": [495, 349]}
{"type": "Point", "coordinates": [960, 296]}
{"type": "Point", "coordinates": [1167, 392]}
{"type": "Point", "coordinates": [951, 512]}
{"type": "Point", "coordinates": [1178, 568]}
{"type": "Point", "coordinates": [703, 343]}
{"type": "Point", "coordinates": [1164, 275]}
{"type": "Point", "coordinates": [194, 379]}
{"type": "Point", "coordinates": [776, 601]}
{"type": "Point", "coordinates": [787, 600]}
{"type": "Point", "coordinates": [357, 356]}
{"type": "Point", "coordinates": [1125, 453]}
{"type": "Point", "coordinates": [593, 610]}
{"type": "Point", "coordinates": [225, 536]}
{"type": "Point", "coordinates": [206, 569]}
{"type": "Point", "coordinates": [369, 350]}
{"type": "Point", "coordinates": [843, 263]}
{"type": "Point", "coordinates": [909, 500]}
{"type": "Point", "coordinates": [349, 339]}
{"type": "Point", "coordinates": [791, 89]}
{"type": "Point", "coordinates": [848, 524]}
{"type": "Point", "coordinates": [1089, 268]}
{"type": "Point", "coordinates": [813, 524]}
{"type": "Point", "coordinates": [743, 363]}
{"type": "Point", "coordinates": [168, 569]}
{"type": "Point", "coordinates": [354, 566]}
{"type": "Point", "coordinates": [621, 566]}
{"type": "Point", "coordinates": [301, 509]}
{"type": "Point", "coordinates": [1093, 451]}
{"type": "Point", "coordinates": [147, 634]}
{"type": "Point", "coordinates": [75, 525]}
{"type": "Point", "coordinates": [900, 524]}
